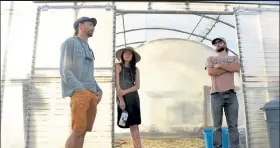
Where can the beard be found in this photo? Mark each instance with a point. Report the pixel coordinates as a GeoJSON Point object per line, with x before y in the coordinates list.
{"type": "Point", "coordinates": [221, 49]}
{"type": "Point", "coordinates": [90, 33]}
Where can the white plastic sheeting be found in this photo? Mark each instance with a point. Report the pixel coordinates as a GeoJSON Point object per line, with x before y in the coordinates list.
{"type": "Point", "coordinates": [186, 28]}
{"type": "Point", "coordinates": [44, 106]}
{"type": "Point", "coordinates": [35, 115]}
{"type": "Point", "coordinates": [258, 33]}
{"type": "Point", "coordinates": [17, 45]}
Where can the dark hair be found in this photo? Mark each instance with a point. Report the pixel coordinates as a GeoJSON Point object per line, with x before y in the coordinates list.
{"type": "Point", "coordinates": [77, 29]}
{"type": "Point", "coordinates": [76, 32]}
{"type": "Point", "coordinates": [226, 49]}
{"type": "Point", "coordinates": [132, 63]}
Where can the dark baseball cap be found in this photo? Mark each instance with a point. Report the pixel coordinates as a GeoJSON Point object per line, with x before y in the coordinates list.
{"type": "Point", "coordinates": [218, 39]}
{"type": "Point", "coordinates": [83, 19]}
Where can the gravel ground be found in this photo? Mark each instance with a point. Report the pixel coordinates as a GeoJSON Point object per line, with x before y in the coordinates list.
{"type": "Point", "coordinates": [172, 143]}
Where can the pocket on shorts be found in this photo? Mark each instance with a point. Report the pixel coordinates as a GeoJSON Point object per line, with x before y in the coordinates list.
{"type": "Point", "coordinates": [80, 100]}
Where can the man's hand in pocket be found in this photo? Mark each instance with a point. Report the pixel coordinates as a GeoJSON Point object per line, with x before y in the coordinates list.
{"type": "Point", "coordinates": [98, 97]}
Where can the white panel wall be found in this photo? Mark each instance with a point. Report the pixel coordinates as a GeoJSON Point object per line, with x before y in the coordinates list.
{"type": "Point", "coordinates": [258, 34]}
{"type": "Point", "coordinates": [34, 114]}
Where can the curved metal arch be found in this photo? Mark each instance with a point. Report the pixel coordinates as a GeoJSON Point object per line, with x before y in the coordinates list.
{"type": "Point", "coordinates": [211, 28]}
{"type": "Point", "coordinates": [160, 28]}
{"type": "Point", "coordinates": [220, 21]}
{"type": "Point", "coordinates": [196, 26]}
{"type": "Point", "coordinates": [130, 43]}
{"type": "Point", "coordinates": [145, 41]}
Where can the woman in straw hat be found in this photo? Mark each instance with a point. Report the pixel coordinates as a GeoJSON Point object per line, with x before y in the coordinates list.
{"type": "Point", "coordinates": [127, 84]}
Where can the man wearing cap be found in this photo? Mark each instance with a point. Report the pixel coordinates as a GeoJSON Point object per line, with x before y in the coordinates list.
{"type": "Point", "coordinates": [78, 82]}
{"type": "Point", "coordinates": [221, 68]}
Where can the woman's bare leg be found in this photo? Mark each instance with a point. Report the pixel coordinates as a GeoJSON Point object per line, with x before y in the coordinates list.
{"type": "Point", "coordinates": [134, 130]}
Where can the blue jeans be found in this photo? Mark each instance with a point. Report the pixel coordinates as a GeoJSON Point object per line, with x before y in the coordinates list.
{"type": "Point", "coordinates": [229, 103]}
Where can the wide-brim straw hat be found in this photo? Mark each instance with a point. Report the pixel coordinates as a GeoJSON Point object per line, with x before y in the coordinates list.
{"type": "Point", "coordinates": [120, 51]}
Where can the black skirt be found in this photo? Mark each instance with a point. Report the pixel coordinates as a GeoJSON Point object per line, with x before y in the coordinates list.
{"type": "Point", "coordinates": [132, 106]}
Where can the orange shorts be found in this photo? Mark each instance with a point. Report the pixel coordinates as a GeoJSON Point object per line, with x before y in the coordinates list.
{"type": "Point", "coordinates": [83, 111]}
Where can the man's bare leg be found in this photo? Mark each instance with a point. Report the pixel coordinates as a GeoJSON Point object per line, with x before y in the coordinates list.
{"type": "Point", "coordinates": [76, 140]}
{"type": "Point", "coordinates": [134, 130]}
{"type": "Point", "coordinates": [82, 140]}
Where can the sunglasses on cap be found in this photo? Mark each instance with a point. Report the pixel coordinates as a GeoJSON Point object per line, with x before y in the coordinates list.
{"type": "Point", "coordinates": [218, 42]}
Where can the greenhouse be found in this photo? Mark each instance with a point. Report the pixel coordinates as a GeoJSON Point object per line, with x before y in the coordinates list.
{"type": "Point", "coordinates": [174, 41]}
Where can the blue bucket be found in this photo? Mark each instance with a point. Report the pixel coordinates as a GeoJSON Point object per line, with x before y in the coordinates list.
{"type": "Point", "coordinates": [208, 136]}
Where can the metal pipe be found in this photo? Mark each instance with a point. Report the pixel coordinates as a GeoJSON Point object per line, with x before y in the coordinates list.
{"type": "Point", "coordinates": [146, 41]}
{"type": "Point", "coordinates": [113, 75]}
{"type": "Point", "coordinates": [232, 2]}
{"type": "Point", "coordinates": [32, 72]}
{"type": "Point", "coordinates": [76, 11]}
{"type": "Point", "coordinates": [52, 1]}
{"type": "Point", "coordinates": [124, 30]}
{"type": "Point", "coordinates": [216, 21]}
{"type": "Point", "coordinates": [226, 7]}
{"type": "Point", "coordinates": [190, 2]}
{"type": "Point", "coordinates": [196, 26]}
{"type": "Point", "coordinates": [75, 7]}
{"type": "Point", "coordinates": [130, 43]}
{"type": "Point", "coordinates": [220, 21]}
{"type": "Point", "coordinates": [166, 29]}
{"type": "Point", "coordinates": [150, 6]}
{"type": "Point", "coordinates": [187, 6]}
{"type": "Point", "coordinates": [242, 79]}
{"type": "Point", "coordinates": [254, 9]}
{"type": "Point", "coordinates": [159, 28]}
{"type": "Point", "coordinates": [175, 12]}
{"type": "Point", "coordinates": [54, 68]}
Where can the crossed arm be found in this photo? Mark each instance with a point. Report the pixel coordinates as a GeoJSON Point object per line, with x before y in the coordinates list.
{"type": "Point", "coordinates": [233, 67]}
{"type": "Point", "coordinates": [218, 69]}
{"type": "Point", "coordinates": [215, 71]}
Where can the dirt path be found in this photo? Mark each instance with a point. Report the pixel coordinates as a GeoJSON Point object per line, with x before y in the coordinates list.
{"type": "Point", "coordinates": [172, 143]}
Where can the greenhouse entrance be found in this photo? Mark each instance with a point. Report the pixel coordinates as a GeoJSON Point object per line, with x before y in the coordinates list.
{"type": "Point", "coordinates": [175, 94]}
{"type": "Point", "coordinates": [174, 45]}
{"type": "Point", "coordinates": [175, 104]}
